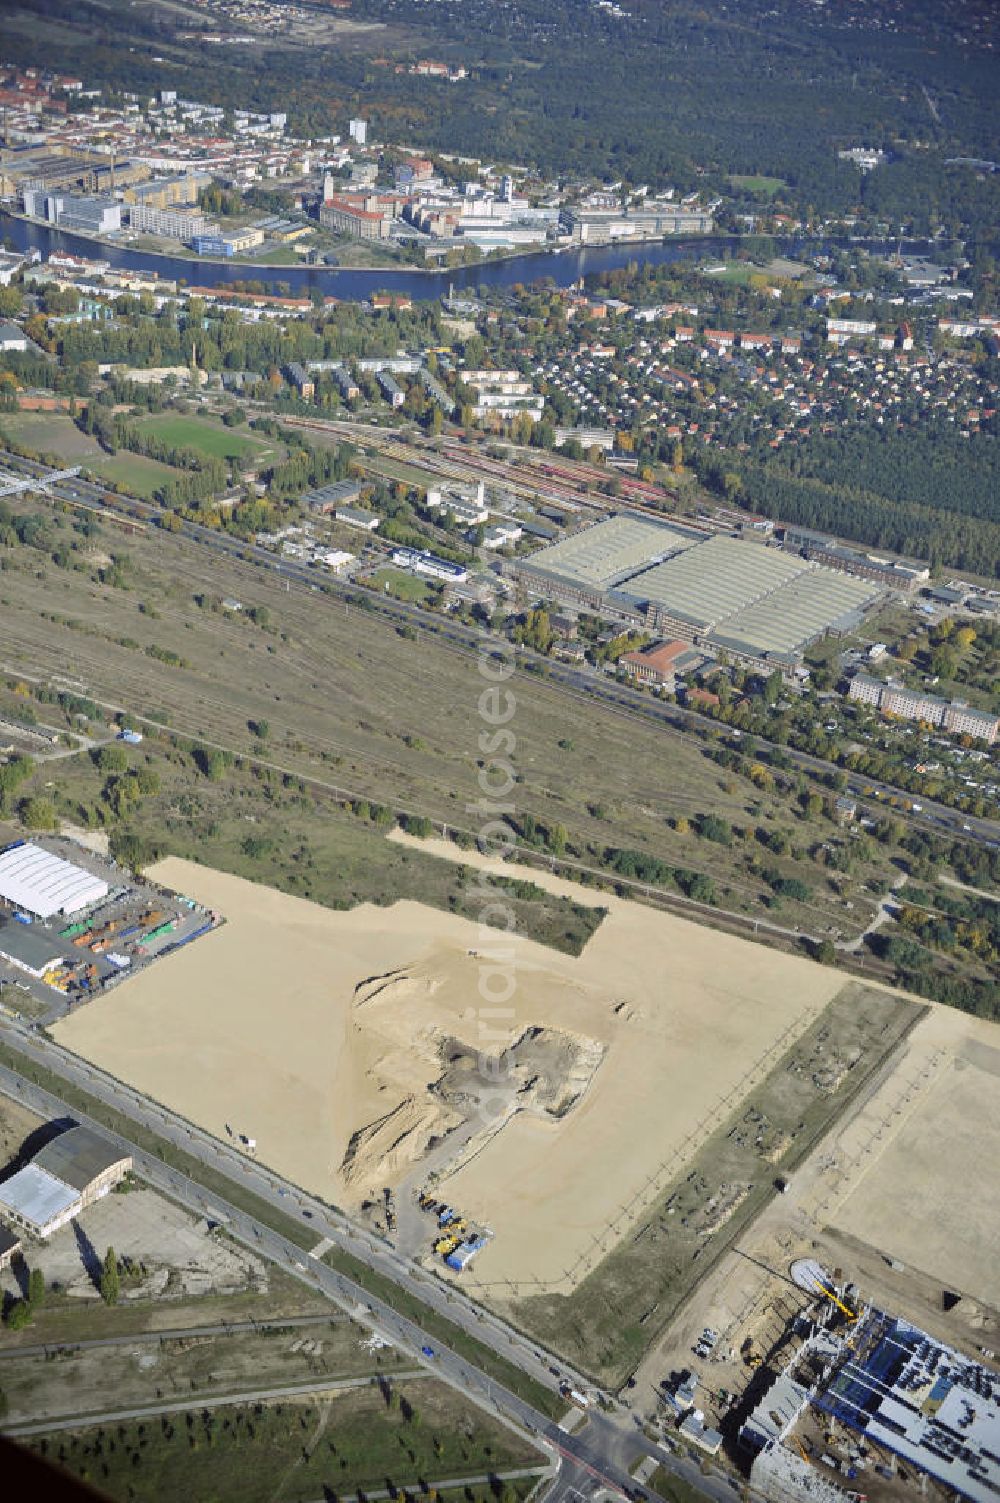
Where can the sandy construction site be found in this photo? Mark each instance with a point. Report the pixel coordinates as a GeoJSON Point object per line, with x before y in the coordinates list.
{"type": "Point", "coordinates": [914, 1176]}
{"type": "Point", "coordinates": [899, 1196]}
{"type": "Point", "coordinates": [346, 1044]}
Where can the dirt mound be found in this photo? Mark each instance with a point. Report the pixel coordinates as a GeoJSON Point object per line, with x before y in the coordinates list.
{"type": "Point", "coordinates": [378, 1151]}
{"type": "Point", "coordinates": [545, 1070]}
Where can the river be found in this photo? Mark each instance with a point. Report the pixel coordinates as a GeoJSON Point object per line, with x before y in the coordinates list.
{"type": "Point", "coordinates": [353, 284]}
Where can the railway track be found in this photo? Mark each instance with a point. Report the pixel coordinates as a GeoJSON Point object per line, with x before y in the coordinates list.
{"type": "Point", "coordinates": [581, 687]}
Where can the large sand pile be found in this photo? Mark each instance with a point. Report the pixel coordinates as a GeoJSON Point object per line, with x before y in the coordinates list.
{"type": "Point", "coordinates": [337, 1041]}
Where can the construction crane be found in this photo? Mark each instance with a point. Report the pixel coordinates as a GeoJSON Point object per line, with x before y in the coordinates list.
{"type": "Point", "coordinates": [851, 1314]}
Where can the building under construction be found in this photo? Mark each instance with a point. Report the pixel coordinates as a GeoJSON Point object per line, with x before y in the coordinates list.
{"type": "Point", "coordinates": [902, 1399]}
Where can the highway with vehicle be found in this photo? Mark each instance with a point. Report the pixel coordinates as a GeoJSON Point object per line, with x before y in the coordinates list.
{"type": "Point", "coordinates": [600, 1454]}
{"type": "Point", "coordinates": [326, 1224]}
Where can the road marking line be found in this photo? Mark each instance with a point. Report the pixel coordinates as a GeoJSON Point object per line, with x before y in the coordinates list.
{"type": "Point", "coordinates": [321, 1248]}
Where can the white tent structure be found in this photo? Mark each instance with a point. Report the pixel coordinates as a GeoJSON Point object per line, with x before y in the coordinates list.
{"type": "Point", "coordinates": [37, 882]}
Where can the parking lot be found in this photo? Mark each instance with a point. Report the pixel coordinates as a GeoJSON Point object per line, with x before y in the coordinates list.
{"type": "Point", "coordinates": [164, 1252]}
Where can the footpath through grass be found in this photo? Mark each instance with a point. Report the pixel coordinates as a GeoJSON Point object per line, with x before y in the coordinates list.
{"type": "Point", "coordinates": [229, 1190]}
{"type": "Point", "coordinates": [385, 1437]}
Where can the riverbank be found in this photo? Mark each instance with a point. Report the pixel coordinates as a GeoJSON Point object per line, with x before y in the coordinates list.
{"type": "Point", "coordinates": [563, 265]}
{"type": "Point", "coordinates": [183, 254]}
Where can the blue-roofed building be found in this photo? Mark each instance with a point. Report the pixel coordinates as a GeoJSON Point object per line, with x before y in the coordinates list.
{"type": "Point", "coordinates": [929, 1404]}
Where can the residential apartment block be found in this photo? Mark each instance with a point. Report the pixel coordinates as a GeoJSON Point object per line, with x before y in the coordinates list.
{"type": "Point", "coordinates": [173, 223]}
{"type": "Point", "coordinates": [503, 394]}
{"type": "Point", "coordinates": [912, 704]}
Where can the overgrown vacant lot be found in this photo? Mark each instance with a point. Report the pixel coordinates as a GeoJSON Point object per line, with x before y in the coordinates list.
{"type": "Point", "coordinates": [295, 837]}
{"type": "Point", "coordinates": [90, 1380]}
{"type": "Point", "coordinates": [52, 433]}
{"type": "Point", "coordinates": [374, 1437]}
{"type": "Point", "coordinates": [397, 718]}
{"type": "Point", "coordinates": [56, 434]}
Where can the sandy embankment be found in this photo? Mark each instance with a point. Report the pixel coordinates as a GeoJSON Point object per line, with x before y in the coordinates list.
{"type": "Point", "coordinates": [258, 1025]}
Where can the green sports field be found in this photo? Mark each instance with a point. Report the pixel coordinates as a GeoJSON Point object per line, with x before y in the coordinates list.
{"type": "Point", "coordinates": [758, 183]}
{"type": "Point", "coordinates": [211, 439]}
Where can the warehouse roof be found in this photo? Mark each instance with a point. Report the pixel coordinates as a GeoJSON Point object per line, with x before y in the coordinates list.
{"type": "Point", "coordinates": [610, 551]}
{"type": "Point", "coordinates": [816, 600]}
{"type": "Point", "coordinates": [326, 497]}
{"type": "Point", "coordinates": [753, 598]}
{"type": "Point", "coordinates": [32, 948]}
{"type": "Point", "coordinates": [711, 583]}
{"type": "Point", "coordinates": [78, 1156]}
{"type": "Point", "coordinates": [43, 884]}
{"type": "Point", "coordinates": [36, 1196]}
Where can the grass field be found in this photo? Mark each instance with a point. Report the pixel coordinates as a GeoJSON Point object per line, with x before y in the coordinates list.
{"type": "Point", "coordinates": [403, 1435]}
{"type": "Point", "coordinates": [758, 183]}
{"type": "Point", "coordinates": [133, 472]}
{"type": "Point", "coordinates": [55, 433]}
{"type": "Point", "coordinates": [402, 586]}
{"type": "Point", "coordinates": [735, 273]}
{"type": "Point", "coordinates": [281, 255]}
{"type": "Point", "coordinates": [674, 1489]}
{"type": "Point", "coordinates": [209, 438]}
{"type": "Point", "coordinates": [350, 701]}
{"type": "Point", "coordinates": [52, 433]}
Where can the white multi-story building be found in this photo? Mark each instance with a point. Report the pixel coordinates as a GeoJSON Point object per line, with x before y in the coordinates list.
{"type": "Point", "coordinates": [174, 224]}
{"type": "Point", "coordinates": [418, 561]}
{"type": "Point", "coordinates": [74, 211]}
{"type": "Point", "coordinates": [912, 704]}
{"type": "Point", "coordinates": [840, 330]}
{"type": "Point", "coordinates": [866, 691]}
{"type": "Point", "coordinates": [503, 394]}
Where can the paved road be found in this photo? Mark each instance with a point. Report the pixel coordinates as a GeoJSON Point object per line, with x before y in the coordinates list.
{"type": "Point", "coordinates": [328, 1223]}
{"type": "Point", "coordinates": [602, 1451]}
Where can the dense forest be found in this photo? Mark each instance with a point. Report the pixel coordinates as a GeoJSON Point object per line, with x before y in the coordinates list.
{"type": "Point", "coordinates": [688, 95]}
{"type": "Point", "coordinates": [933, 466]}
{"type": "Point", "coordinates": [944, 535]}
